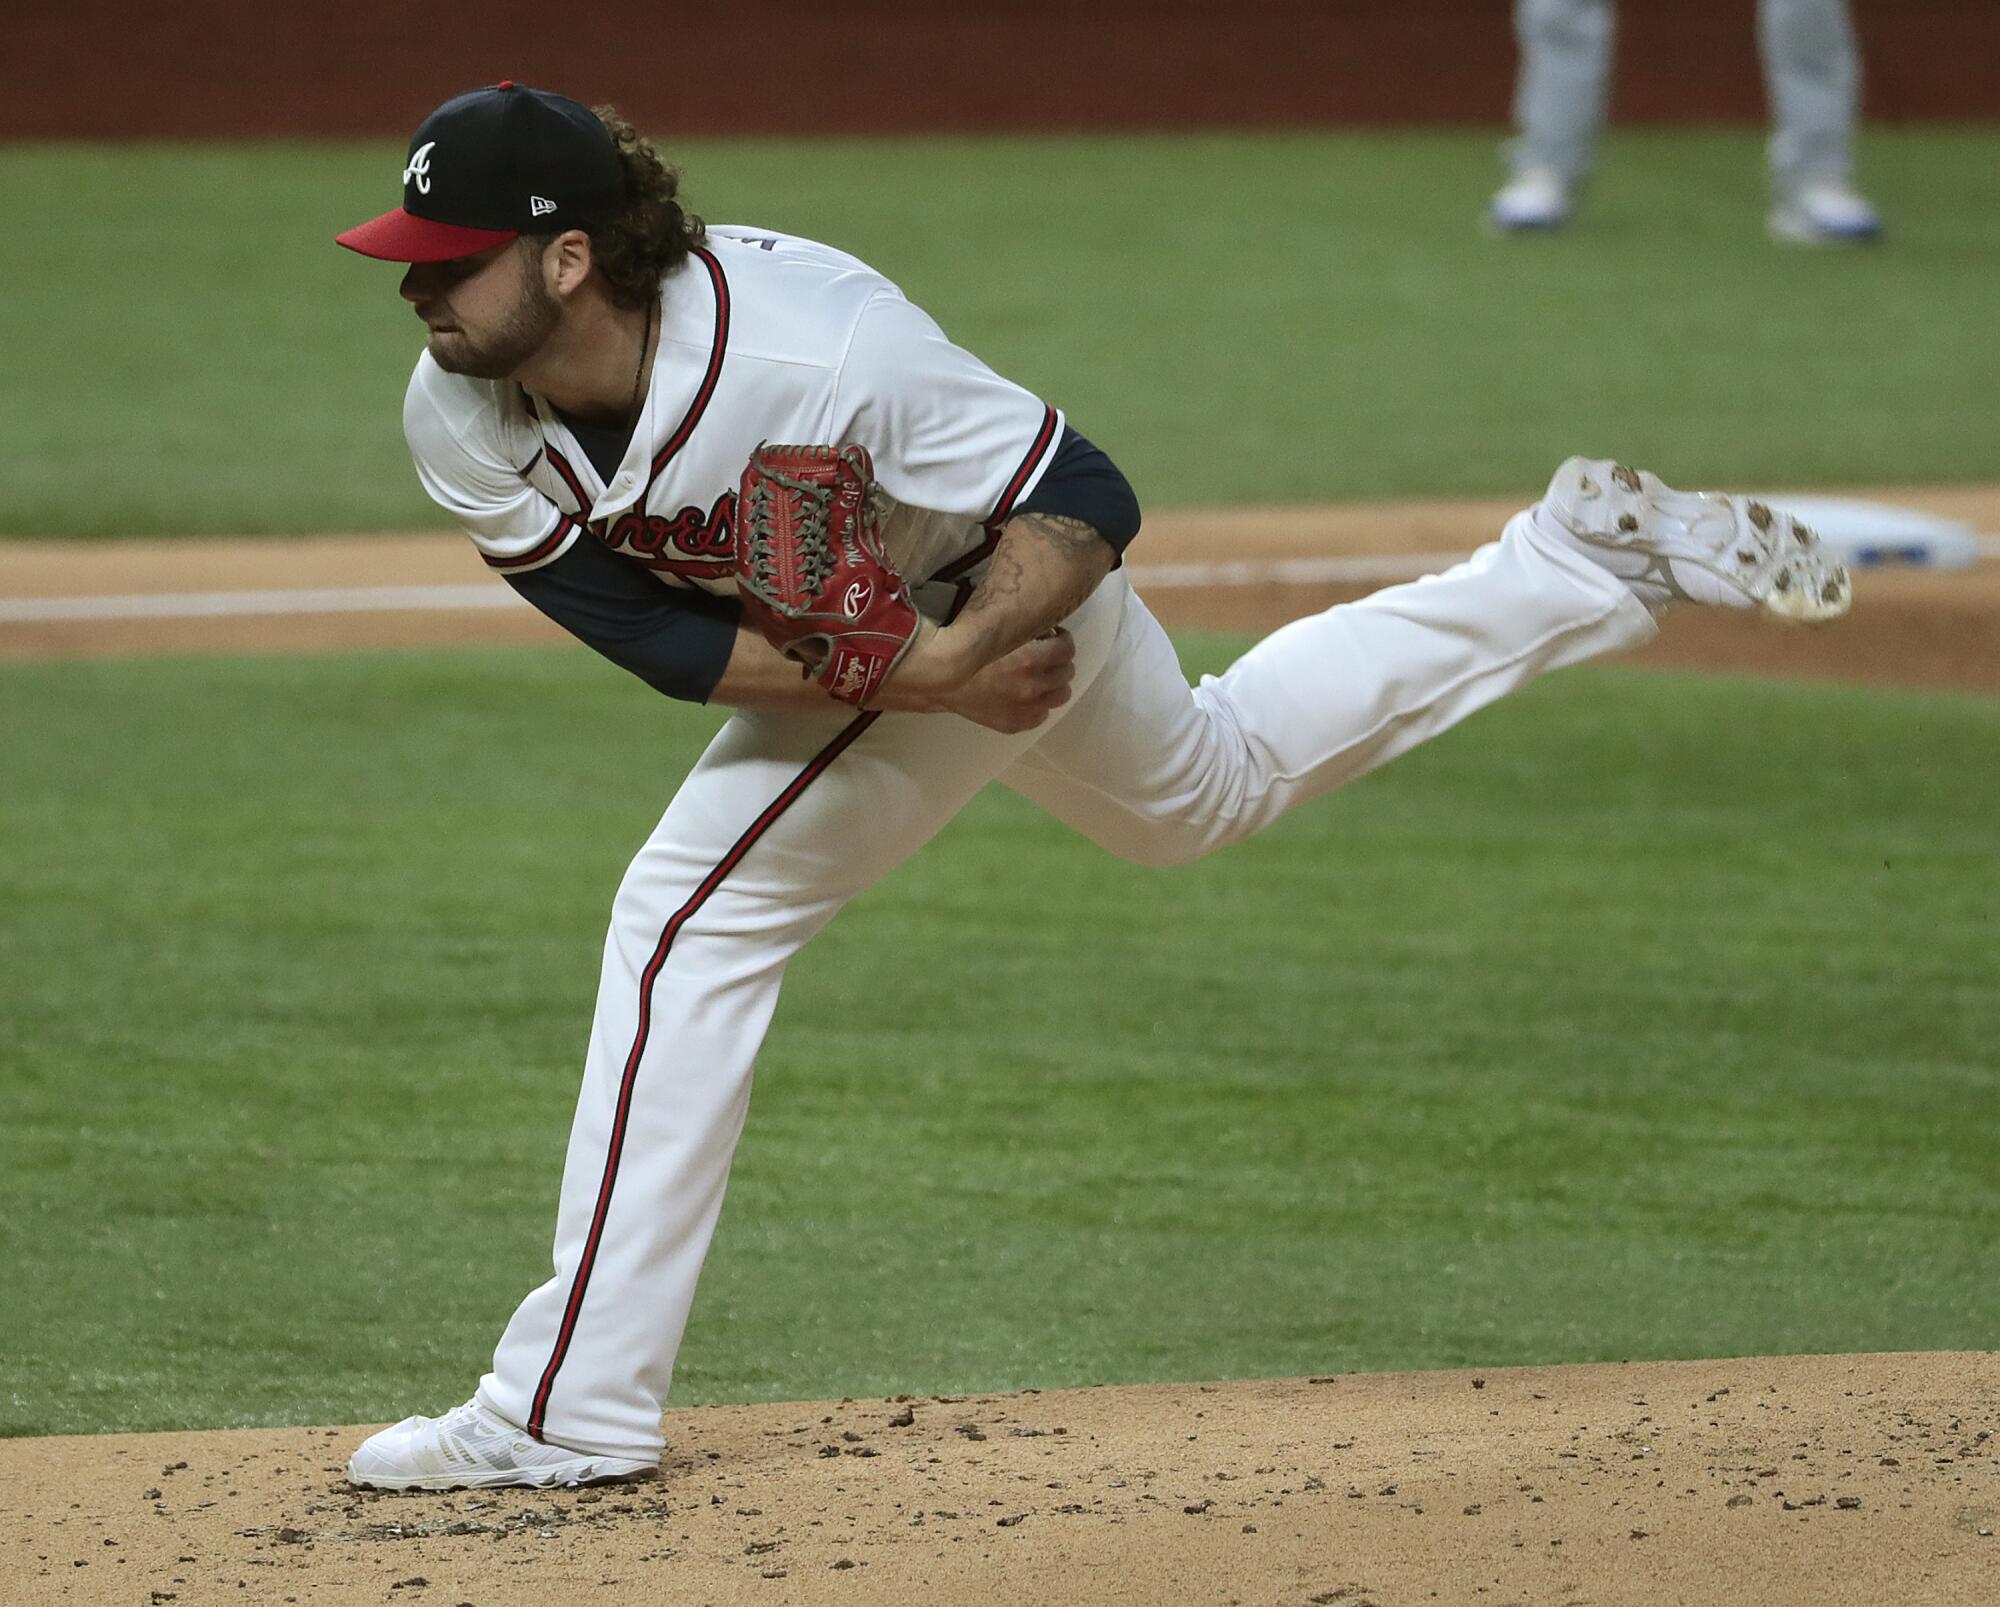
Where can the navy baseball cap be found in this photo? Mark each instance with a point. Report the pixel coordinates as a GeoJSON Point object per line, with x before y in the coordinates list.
{"type": "Point", "coordinates": [492, 164]}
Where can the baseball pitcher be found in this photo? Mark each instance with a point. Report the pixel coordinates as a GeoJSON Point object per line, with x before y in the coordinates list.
{"type": "Point", "coordinates": [748, 469]}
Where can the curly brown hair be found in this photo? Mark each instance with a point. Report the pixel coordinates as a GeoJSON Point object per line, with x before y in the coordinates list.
{"type": "Point", "coordinates": [651, 233]}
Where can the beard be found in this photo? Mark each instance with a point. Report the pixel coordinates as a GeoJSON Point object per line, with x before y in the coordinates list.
{"type": "Point", "coordinates": [526, 327]}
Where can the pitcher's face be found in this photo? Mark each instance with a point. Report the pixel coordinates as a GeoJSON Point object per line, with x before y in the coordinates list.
{"type": "Point", "coordinates": [487, 314]}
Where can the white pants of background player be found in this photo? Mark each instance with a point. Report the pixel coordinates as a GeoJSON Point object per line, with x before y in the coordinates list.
{"type": "Point", "coordinates": [769, 836]}
{"type": "Point", "coordinates": [1810, 68]}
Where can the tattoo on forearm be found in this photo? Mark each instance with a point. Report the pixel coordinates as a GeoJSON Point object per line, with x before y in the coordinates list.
{"type": "Point", "coordinates": [1045, 566]}
{"type": "Point", "coordinates": [1070, 534]}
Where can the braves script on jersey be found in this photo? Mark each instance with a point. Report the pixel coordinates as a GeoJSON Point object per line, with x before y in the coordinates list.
{"type": "Point", "coordinates": [765, 337]}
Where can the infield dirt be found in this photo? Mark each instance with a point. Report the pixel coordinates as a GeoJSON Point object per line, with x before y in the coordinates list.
{"type": "Point", "coordinates": [1788, 1482]}
{"type": "Point", "coordinates": [1913, 627]}
{"type": "Point", "coordinates": [1798, 1482]}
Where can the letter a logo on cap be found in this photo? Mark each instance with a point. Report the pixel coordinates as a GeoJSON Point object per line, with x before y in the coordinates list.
{"type": "Point", "coordinates": [420, 167]}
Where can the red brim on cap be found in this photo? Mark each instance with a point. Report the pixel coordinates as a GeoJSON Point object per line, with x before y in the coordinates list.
{"type": "Point", "coordinates": [399, 236]}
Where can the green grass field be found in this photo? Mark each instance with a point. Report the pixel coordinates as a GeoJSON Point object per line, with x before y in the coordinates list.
{"type": "Point", "coordinates": [1236, 318]}
{"type": "Point", "coordinates": [1646, 1016]}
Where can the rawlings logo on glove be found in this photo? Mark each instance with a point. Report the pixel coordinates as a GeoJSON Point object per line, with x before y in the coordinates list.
{"type": "Point", "coordinates": [811, 571]}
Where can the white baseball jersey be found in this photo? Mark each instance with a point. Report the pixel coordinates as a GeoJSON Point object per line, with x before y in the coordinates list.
{"type": "Point", "coordinates": [764, 337]}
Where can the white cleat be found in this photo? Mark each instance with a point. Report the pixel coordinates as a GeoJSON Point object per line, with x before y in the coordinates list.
{"type": "Point", "coordinates": [470, 1448]}
{"type": "Point", "coordinates": [1725, 551]}
{"type": "Point", "coordinates": [1825, 213]}
{"type": "Point", "coordinates": [1535, 199]}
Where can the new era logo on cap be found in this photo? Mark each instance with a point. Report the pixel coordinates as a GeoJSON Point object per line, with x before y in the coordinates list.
{"type": "Point", "coordinates": [487, 166]}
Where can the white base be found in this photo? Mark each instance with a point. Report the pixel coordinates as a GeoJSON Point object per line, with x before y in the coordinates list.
{"type": "Point", "coordinates": [1868, 534]}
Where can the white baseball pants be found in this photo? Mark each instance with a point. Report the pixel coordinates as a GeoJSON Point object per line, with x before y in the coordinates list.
{"type": "Point", "coordinates": [1811, 72]}
{"type": "Point", "coordinates": [785, 817]}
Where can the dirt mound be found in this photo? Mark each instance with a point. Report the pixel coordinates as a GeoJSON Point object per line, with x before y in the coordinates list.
{"type": "Point", "coordinates": [1809, 1480]}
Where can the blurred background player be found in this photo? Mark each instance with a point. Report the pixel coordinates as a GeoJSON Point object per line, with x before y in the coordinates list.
{"type": "Point", "coordinates": [1812, 74]}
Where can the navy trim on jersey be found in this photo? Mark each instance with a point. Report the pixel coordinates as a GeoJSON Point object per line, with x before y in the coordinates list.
{"type": "Point", "coordinates": [1005, 506]}
{"type": "Point", "coordinates": [541, 550]}
{"type": "Point", "coordinates": [606, 447]}
{"type": "Point", "coordinates": [580, 1281]}
{"type": "Point", "coordinates": [1082, 482]}
{"type": "Point", "coordinates": [569, 478]}
{"type": "Point", "coordinates": [675, 639]}
{"type": "Point", "coordinates": [707, 389]}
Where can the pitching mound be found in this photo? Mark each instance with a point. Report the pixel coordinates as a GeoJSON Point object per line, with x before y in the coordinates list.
{"type": "Point", "coordinates": [1808, 1480]}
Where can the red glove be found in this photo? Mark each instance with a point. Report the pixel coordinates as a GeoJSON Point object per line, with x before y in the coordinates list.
{"type": "Point", "coordinates": [811, 571]}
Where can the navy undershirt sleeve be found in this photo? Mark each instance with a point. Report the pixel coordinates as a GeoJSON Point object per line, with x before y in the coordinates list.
{"type": "Point", "coordinates": [1081, 482]}
{"type": "Point", "coordinates": [677, 640]}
